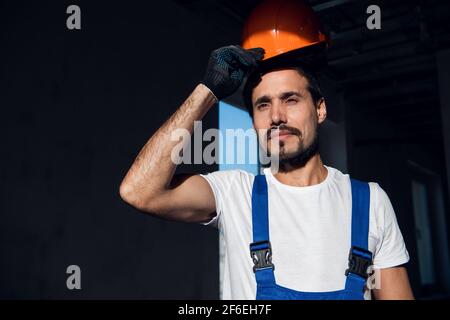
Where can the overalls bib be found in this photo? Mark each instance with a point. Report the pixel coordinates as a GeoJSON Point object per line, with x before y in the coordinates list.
{"type": "Point", "coordinates": [359, 257]}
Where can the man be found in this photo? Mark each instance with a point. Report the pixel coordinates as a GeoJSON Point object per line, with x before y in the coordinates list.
{"type": "Point", "coordinates": [310, 210]}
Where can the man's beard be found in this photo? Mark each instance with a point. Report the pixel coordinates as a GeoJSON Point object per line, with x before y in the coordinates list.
{"type": "Point", "coordinates": [298, 158]}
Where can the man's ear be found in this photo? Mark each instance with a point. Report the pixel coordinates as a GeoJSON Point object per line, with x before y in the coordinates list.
{"type": "Point", "coordinates": [321, 111]}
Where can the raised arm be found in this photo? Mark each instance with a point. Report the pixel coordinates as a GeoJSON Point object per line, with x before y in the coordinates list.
{"type": "Point", "coordinates": [150, 184]}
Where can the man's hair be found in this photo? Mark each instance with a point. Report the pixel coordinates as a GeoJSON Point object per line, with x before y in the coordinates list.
{"type": "Point", "coordinates": [255, 78]}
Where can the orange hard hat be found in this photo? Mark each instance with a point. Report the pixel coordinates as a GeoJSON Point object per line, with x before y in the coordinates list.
{"type": "Point", "coordinates": [281, 26]}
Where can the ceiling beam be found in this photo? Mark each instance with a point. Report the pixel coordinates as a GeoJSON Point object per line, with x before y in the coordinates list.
{"type": "Point", "coordinates": [330, 4]}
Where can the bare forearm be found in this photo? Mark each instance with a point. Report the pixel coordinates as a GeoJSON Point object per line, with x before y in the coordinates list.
{"type": "Point", "coordinates": [153, 168]}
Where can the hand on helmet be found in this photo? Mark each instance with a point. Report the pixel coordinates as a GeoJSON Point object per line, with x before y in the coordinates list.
{"type": "Point", "coordinates": [227, 68]}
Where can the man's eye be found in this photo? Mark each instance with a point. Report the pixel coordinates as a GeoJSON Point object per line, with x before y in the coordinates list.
{"type": "Point", "coordinates": [262, 105]}
{"type": "Point", "coordinates": [291, 101]}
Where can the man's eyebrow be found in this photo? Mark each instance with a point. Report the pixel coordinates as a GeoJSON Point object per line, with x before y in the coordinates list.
{"type": "Point", "coordinates": [287, 94]}
{"type": "Point", "coordinates": [282, 96]}
{"type": "Point", "coordinates": [262, 99]}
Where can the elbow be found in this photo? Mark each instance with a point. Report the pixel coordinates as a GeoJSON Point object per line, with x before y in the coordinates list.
{"type": "Point", "coordinates": [125, 192]}
{"type": "Point", "coordinates": [128, 194]}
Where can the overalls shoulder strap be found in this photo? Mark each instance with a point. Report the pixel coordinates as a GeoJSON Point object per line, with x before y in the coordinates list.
{"type": "Point", "coordinates": [260, 249]}
{"type": "Point", "coordinates": [360, 258]}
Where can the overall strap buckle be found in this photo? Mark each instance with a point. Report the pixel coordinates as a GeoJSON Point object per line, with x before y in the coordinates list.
{"type": "Point", "coordinates": [261, 254]}
{"type": "Point", "coordinates": [359, 261]}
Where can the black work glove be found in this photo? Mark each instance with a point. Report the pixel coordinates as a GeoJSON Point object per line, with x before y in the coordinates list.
{"type": "Point", "coordinates": [228, 66]}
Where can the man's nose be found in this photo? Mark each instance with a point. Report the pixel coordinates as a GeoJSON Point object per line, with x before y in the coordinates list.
{"type": "Point", "coordinates": [278, 114]}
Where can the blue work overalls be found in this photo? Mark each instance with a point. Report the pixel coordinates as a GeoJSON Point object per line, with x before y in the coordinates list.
{"type": "Point", "coordinates": [359, 257]}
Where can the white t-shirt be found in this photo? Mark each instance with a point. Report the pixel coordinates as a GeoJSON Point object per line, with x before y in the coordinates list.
{"type": "Point", "coordinates": [310, 231]}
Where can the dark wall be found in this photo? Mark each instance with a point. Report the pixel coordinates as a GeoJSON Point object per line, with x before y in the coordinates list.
{"type": "Point", "coordinates": [77, 106]}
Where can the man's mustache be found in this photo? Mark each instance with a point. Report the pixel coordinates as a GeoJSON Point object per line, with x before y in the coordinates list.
{"type": "Point", "coordinates": [291, 130]}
